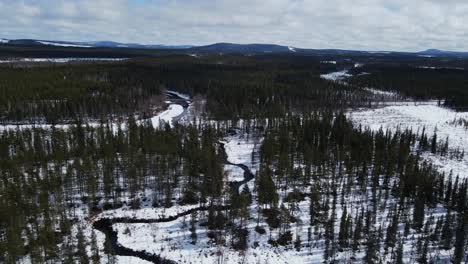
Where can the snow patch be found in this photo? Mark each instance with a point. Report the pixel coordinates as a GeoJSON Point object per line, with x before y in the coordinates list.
{"type": "Point", "coordinates": [380, 92]}
{"type": "Point", "coordinates": [64, 44]}
{"type": "Point", "coordinates": [336, 76]}
{"type": "Point", "coordinates": [173, 110]}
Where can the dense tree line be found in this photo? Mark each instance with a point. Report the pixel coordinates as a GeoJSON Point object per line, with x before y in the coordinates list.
{"type": "Point", "coordinates": [450, 85]}
{"type": "Point", "coordinates": [62, 93]}
{"type": "Point", "coordinates": [234, 86]}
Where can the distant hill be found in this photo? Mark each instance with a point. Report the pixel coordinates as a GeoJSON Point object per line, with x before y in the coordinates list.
{"type": "Point", "coordinates": [91, 44]}
{"type": "Point", "coordinates": [231, 47]}
{"type": "Point", "coordinates": [437, 52]}
{"type": "Point", "coordinates": [224, 48]}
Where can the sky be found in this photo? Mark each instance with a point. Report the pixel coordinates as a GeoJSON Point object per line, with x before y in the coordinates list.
{"type": "Point", "coordinates": [399, 25]}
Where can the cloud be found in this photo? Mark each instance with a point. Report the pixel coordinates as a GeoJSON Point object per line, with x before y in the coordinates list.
{"type": "Point", "coordinates": [361, 24]}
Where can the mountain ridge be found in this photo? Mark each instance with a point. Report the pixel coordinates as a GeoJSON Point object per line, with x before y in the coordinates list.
{"type": "Point", "coordinates": [220, 47]}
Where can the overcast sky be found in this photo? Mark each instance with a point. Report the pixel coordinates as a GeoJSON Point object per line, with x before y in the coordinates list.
{"type": "Point", "coordinates": [409, 25]}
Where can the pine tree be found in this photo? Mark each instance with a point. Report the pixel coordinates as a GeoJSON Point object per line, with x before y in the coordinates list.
{"type": "Point", "coordinates": [418, 211]}
{"type": "Point", "coordinates": [343, 234]}
{"type": "Point", "coordinates": [81, 246]}
{"type": "Point", "coordinates": [372, 248]}
{"type": "Point", "coordinates": [460, 239]}
{"type": "Point", "coordinates": [399, 254]}
{"type": "Point", "coordinates": [297, 243]}
{"type": "Point", "coordinates": [95, 257]}
{"type": "Point", "coordinates": [193, 228]}
{"type": "Point", "coordinates": [446, 237]}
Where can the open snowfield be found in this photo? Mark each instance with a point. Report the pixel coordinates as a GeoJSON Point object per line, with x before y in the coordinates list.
{"type": "Point", "coordinates": [336, 76]}
{"type": "Point", "coordinates": [239, 149]}
{"type": "Point", "coordinates": [172, 241]}
{"type": "Point", "coordinates": [416, 117]}
{"type": "Point", "coordinates": [172, 111]}
{"type": "Point", "coordinates": [233, 173]}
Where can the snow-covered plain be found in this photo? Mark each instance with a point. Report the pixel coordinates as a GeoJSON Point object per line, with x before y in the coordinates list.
{"type": "Point", "coordinates": [426, 115]}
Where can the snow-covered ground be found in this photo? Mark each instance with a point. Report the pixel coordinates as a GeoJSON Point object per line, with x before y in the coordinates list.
{"type": "Point", "coordinates": [239, 149]}
{"type": "Point", "coordinates": [167, 116]}
{"type": "Point", "coordinates": [181, 95]}
{"type": "Point", "coordinates": [64, 44]}
{"type": "Point", "coordinates": [438, 68]}
{"type": "Point", "coordinates": [335, 76]}
{"type": "Point", "coordinates": [233, 173]}
{"type": "Point", "coordinates": [146, 213]}
{"type": "Point", "coordinates": [380, 92]}
{"type": "Point", "coordinates": [416, 117]}
{"type": "Point", "coordinates": [340, 77]}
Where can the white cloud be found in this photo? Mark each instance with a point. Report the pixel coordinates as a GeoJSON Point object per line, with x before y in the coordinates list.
{"type": "Point", "coordinates": [360, 24]}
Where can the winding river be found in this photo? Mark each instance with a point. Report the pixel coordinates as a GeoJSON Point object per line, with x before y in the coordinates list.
{"type": "Point", "coordinates": [105, 225]}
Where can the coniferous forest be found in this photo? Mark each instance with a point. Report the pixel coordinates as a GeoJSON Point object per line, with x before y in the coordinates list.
{"type": "Point", "coordinates": [264, 162]}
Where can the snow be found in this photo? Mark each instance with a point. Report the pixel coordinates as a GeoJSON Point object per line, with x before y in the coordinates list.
{"type": "Point", "coordinates": [328, 62]}
{"type": "Point", "coordinates": [438, 68]}
{"type": "Point", "coordinates": [63, 44]}
{"type": "Point", "coordinates": [4, 41]}
{"type": "Point", "coordinates": [292, 49]}
{"type": "Point", "coordinates": [416, 117]}
{"type": "Point", "coordinates": [339, 77]}
{"type": "Point", "coordinates": [239, 148]}
{"type": "Point", "coordinates": [131, 260]}
{"type": "Point", "coordinates": [172, 241]}
{"type": "Point", "coordinates": [181, 95]}
{"type": "Point", "coordinates": [335, 76]}
{"type": "Point", "coordinates": [233, 173]}
{"type": "Point", "coordinates": [380, 92]}
{"type": "Point", "coordinates": [173, 111]}
{"type": "Point", "coordinates": [146, 213]}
